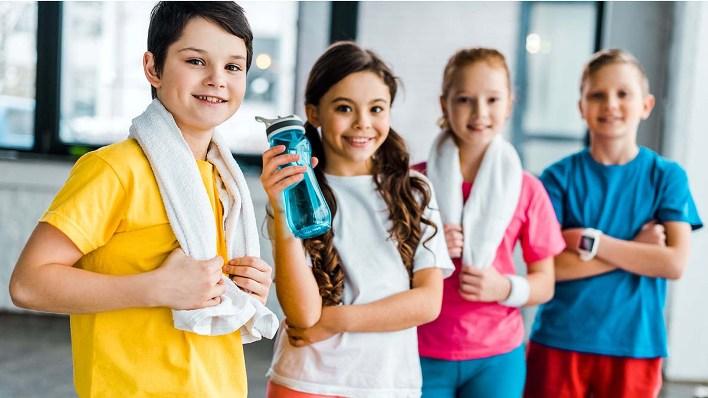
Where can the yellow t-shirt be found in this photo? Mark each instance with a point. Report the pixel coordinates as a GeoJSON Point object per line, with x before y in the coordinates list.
{"type": "Point", "coordinates": [111, 208]}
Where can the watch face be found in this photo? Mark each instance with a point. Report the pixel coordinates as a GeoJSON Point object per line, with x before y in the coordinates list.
{"type": "Point", "coordinates": [586, 243]}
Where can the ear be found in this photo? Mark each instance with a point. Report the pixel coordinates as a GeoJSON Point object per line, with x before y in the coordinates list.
{"type": "Point", "coordinates": [149, 68]}
{"type": "Point", "coordinates": [443, 106]}
{"type": "Point", "coordinates": [580, 109]}
{"type": "Point", "coordinates": [312, 115]}
{"type": "Point", "coordinates": [648, 106]}
{"type": "Point", "coordinates": [510, 106]}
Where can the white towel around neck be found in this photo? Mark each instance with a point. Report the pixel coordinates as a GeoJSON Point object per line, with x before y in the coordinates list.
{"type": "Point", "coordinates": [192, 220]}
{"type": "Point", "coordinates": [494, 197]}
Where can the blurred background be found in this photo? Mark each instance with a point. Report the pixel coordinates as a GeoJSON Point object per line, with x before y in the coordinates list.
{"type": "Point", "coordinates": [71, 80]}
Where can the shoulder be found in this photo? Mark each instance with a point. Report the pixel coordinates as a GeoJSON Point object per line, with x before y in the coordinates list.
{"type": "Point", "coordinates": [125, 158]}
{"type": "Point", "coordinates": [662, 165]}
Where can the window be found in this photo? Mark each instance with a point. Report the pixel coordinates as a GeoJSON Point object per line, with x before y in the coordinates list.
{"type": "Point", "coordinates": [556, 41]}
{"type": "Point", "coordinates": [92, 83]}
{"type": "Point", "coordinates": [18, 33]}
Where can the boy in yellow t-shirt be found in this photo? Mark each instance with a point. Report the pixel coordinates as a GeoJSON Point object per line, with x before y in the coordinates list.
{"type": "Point", "coordinates": [104, 252]}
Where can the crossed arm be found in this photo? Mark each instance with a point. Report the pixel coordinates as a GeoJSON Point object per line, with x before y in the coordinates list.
{"type": "Point", "coordinates": [657, 251]}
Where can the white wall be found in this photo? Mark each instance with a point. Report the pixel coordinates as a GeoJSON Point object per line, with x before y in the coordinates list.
{"type": "Point", "coordinates": [686, 141]}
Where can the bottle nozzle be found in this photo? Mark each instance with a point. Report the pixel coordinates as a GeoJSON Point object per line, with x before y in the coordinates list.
{"type": "Point", "coordinates": [270, 122]}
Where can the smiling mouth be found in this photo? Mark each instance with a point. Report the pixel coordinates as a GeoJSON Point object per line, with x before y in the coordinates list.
{"type": "Point", "coordinates": [358, 141]}
{"type": "Point", "coordinates": [210, 99]}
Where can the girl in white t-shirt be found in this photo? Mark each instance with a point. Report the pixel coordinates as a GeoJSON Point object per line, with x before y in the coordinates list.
{"type": "Point", "coordinates": [353, 296]}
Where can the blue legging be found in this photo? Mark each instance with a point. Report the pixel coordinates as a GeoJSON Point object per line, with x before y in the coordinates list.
{"type": "Point", "coordinates": [500, 376]}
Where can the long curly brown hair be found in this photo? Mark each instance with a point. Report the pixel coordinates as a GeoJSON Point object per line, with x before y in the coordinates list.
{"type": "Point", "coordinates": [406, 196]}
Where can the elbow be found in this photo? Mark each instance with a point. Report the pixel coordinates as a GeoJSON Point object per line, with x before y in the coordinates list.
{"type": "Point", "coordinates": [547, 294]}
{"type": "Point", "coordinates": [432, 311]}
{"type": "Point", "coordinates": [674, 270]}
{"type": "Point", "coordinates": [20, 294]}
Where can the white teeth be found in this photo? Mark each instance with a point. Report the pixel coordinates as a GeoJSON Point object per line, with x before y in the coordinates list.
{"type": "Point", "coordinates": [209, 99]}
{"type": "Point", "coordinates": [359, 140]}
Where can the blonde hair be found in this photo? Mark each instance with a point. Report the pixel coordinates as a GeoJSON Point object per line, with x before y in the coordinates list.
{"type": "Point", "coordinates": [610, 57]}
{"type": "Point", "coordinates": [467, 57]}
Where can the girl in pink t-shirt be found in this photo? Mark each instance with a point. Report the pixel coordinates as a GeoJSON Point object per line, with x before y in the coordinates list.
{"type": "Point", "coordinates": [488, 204]}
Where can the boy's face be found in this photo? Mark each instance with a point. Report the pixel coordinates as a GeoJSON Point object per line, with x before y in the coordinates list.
{"type": "Point", "coordinates": [203, 80]}
{"type": "Point", "coordinates": [613, 101]}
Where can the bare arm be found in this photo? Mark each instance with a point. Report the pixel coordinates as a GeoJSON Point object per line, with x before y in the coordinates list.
{"type": "Point", "coordinates": [569, 266]}
{"type": "Point", "coordinates": [421, 304]}
{"type": "Point", "coordinates": [295, 284]}
{"type": "Point", "coordinates": [44, 279]}
{"type": "Point", "coordinates": [660, 261]}
{"type": "Point", "coordinates": [541, 281]}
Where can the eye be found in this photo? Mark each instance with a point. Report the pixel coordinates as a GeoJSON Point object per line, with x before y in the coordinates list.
{"type": "Point", "coordinates": [234, 68]}
{"type": "Point", "coordinates": [622, 94]}
{"type": "Point", "coordinates": [596, 96]}
{"type": "Point", "coordinates": [493, 100]}
{"type": "Point", "coordinates": [343, 108]}
{"type": "Point", "coordinates": [377, 109]}
{"type": "Point", "coordinates": [196, 61]}
{"type": "Point", "coordinates": [462, 100]}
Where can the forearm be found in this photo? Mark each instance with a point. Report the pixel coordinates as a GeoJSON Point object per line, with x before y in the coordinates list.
{"type": "Point", "coordinates": [541, 281]}
{"type": "Point", "coordinates": [569, 266]}
{"type": "Point", "coordinates": [65, 289]}
{"type": "Point", "coordinates": [295, 284]}
{"type": "Point", "coordinates": [642, 258]}
{"type": "Point", "coordinates": [400, 311]}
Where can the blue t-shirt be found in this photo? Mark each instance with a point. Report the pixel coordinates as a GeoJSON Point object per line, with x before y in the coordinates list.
{"type": "Point", "coordinates": [618, 313]}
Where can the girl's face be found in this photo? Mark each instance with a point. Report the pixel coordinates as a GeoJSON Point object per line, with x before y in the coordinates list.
{"type": "Point", "coordinates": [613, 101]}
{"type": "Point", "coordinates": [478, 103]}
{"type": "Point", "coordinates": [355, 119]}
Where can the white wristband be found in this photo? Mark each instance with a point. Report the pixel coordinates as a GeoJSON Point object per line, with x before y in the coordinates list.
{"type": "Point", "coordinates": [520, 291]}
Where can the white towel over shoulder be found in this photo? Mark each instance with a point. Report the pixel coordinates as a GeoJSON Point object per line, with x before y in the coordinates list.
{"type": "Point", "coordinates": [492, 202]}
{"type": "Point", "coordinates": [191, 218]}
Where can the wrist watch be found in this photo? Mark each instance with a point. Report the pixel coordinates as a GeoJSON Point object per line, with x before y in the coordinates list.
{"type": "Point", "coordinates": [589, 242]}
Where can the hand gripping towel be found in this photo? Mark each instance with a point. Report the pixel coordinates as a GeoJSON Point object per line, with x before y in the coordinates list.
{"type": "Point", "coordinates": [191, 218]}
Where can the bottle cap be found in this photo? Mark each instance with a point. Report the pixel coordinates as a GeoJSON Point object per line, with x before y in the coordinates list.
{"type": "Point", "coordinates": [280, 122]}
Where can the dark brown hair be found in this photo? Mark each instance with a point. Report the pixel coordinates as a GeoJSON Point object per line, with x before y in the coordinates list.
{"type": "Point", "coordinates": [464, 58]}
{"type": "Point", "coordinates": [406, 196]}
{"type": "Point", "coordinates": [609, 57]}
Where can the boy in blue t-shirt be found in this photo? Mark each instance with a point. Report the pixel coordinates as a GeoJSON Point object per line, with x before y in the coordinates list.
{"type": "Point", "coordinates": [627, 214]}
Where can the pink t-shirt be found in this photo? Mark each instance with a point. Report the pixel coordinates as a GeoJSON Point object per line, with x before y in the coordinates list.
{"type": "Point", "coordinates": [470, 330]}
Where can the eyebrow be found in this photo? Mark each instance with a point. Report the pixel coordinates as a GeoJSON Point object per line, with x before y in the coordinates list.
{"type": "Point", "coordinates": [200, 51]}
{"type": "Point", "coordinates": [345, 99]}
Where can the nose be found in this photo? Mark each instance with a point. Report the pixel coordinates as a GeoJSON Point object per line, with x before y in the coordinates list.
{"type": "Point", "coordinates": [363, 120]}
{"type": "Point", "coordinates": [612, 101]}
{"type": "Point", "coordinates": [215, 78]}
{"type": "Point", "coordinates": [479, 109]}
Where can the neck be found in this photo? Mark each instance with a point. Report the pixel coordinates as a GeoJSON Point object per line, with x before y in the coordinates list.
{"type": "Point", "coordinates": [347, 170]}
{"type": "Point", "coordinates": [471, 155]}
{"type": "Point", "coordinates": [198, 143]}
{"type": "Point", "coordinates": [613, 152]}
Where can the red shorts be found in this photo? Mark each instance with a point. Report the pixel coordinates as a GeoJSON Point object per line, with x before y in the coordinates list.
{"type": "Point", "coordinates": [568, 374]}
{"type": "Point", "coordinates": [277, 391]}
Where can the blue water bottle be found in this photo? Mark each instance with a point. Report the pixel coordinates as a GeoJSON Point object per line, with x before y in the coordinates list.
{"type": "Point", "coordinates": [306, 210]}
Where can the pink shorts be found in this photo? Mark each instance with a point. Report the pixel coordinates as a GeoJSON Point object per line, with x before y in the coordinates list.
{"type": "Point", "coordinates": [277, 391]}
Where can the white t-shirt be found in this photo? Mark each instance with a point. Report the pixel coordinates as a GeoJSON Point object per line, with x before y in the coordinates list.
{"type": "Point", "coordinates": [367, 365]}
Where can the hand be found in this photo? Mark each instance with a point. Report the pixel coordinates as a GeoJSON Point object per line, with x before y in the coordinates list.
{"type": "Point", "coordinates": [486, 285]}
{"type": "Point", "coordinates": [274, 178]}
{"type": "Point", "coordinates": [183, 283]}
{"type": "Point", "coordinates": [572, 238]}
{"type": "Point", "coordinates": [454, 239]}
{"type": "Point", "coordinates": [325, 328]}
{"type": "Point", "coordinates": [652, 233]}
{"type": "Point", "coordinates": [252, 275]}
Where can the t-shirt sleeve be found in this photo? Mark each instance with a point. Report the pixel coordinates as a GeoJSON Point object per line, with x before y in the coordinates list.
{"type": "Point", "coordinates": [541, 235]}
{"type": "Point", "coordinates": [553, 182]}
{"type": "Point", "coordinates": [676, 202]}
{"type": "Point", "coordinates": [433, 252]}
{"type": "Point", "coordinates": [90, 206]}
